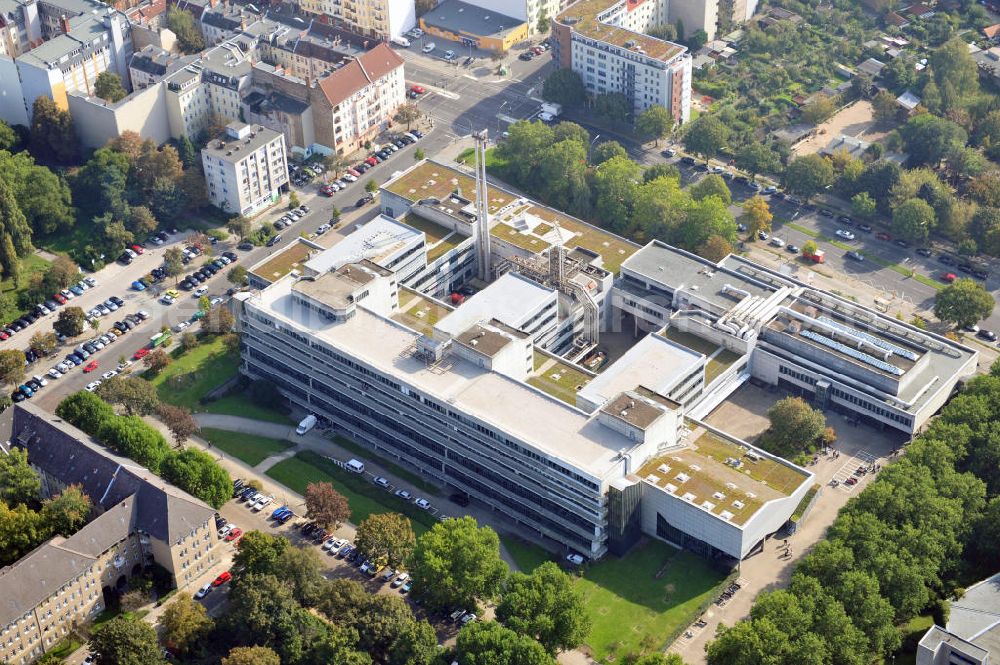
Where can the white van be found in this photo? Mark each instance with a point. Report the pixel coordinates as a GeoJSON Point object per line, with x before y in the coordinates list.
{"type": "Point", "coordinates": [401, 41]}
{"type": "Point", "coordinates": [355, 466]}
{"type": "Point", "coordinates": [307, 424]}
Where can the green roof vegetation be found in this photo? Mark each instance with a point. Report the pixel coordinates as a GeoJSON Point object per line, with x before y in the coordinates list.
{"type": "Point", "coordinates": [782, 478]}
{"type": "Point", "coordinates": [613, 249]}
{"type": "Point", "coordinates": [431, 180]}
{"type": "Point", "coordinates": [284, 262]}
{"type": "Point", "coordinates": [559, 379]}
{"type": "Point", "coordinates": [419, 313]}
{"type": "Point", "coordinates": [693, 342]}
{"type": "Point", "coordinates": [432, 230]}
{"type": "Point", "coordinates": [526, 241]}
{"type": "Point", "coordinates": [719, 364]}
{"type": "Point", "coordinates": [444, 246]}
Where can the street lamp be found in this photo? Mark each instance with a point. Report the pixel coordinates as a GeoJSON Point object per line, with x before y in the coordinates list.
{"type": "Point", "coordinates": [591, 146]}
{"type": "Point", "coordinates": [499, 113]}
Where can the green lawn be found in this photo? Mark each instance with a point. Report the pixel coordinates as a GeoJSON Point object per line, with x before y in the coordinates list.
{"type": "Point", "coordinates": [250, 448]}
{"type": "Point", "coordinates": [912, 632]}
{"type": "Point", "coordinates": [364, 497]}
{"type": "Point", "coordinates": [30, 265]}
{"type": "Point", "coordinates": [194, 373]}
{"type": "Point", "coordinates": [66, 647]}
{"type": "Point", "coordinates": [638, 602]}
{"type": "Point", "coordinates": [239, 404]}
{"type": "Point", "coordinates": [526, 555]}
{"type": "Point", "coordinates": [389, 466]}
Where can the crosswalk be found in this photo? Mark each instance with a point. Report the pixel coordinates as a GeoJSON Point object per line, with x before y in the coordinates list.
{"type": "Point", "coordinates": [860, 459]}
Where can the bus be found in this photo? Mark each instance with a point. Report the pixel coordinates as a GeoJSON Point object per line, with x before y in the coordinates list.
{"type": "Point", "coordinates": [159, 339]}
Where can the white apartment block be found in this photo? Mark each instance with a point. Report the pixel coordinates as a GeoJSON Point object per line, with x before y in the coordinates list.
{"type": "Point", "coordinates": [58, 48]}
{"type": "Point", "coordinates": [245, 168]}
{"type": "Point", "coordinates": [383, 19]}
{"type": "Point", "coordinates": [605, 45]}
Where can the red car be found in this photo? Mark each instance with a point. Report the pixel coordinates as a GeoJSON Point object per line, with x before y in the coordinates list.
{"type": "Point", "coordinates": [882, 235]}
{"type": "Point", "coordinates": [233, 535]}
{"type": "Point", "coordinates": [60, 298]}
{"type": "Point", "coordinates": [137, 249]}
{"type": "Point", "coordinates": [326, 190]}
{"type": "Point", "coordinates": [222, 579]}
{"type": "Point", "coordinates": [948, 277]}
{"type": "Point", "coordinates": [90, 367]}
{"type": "Point", "coordinates": [140, 354]}
{"type": "Point", "coordinates": [4, 335]}
{"type": "Point", "coordinates": [419, 89]}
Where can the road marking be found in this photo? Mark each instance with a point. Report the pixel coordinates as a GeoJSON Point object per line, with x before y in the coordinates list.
{"type": "Point", "coordinates": [470, 77]}
{"type": "Point", "coordinates": [862, 458]}
{"type": "Point", "coordinates": [447, 94]}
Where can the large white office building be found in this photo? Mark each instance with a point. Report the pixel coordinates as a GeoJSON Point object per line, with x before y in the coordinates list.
{"type": "Point", "coordinates": [245, 168]}
{"type": "Point", "coordinates": [605, 43]}
{"type": "Point", "coordinates": [508, 395]}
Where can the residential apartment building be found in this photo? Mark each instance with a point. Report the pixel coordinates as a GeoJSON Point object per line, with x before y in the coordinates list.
{"type": "Point", "coordinates": [57, 48]}
{"type": "Point", "coordinates": [140, 520]}
{"type": "Point", "coordinates": [357, 101]}
{"type": "Point", "coordinates": [382, 19]}
{"type": "Point", "coordinates": [605, 44]}
{"type": "Point", "coordinates": [245, 169]}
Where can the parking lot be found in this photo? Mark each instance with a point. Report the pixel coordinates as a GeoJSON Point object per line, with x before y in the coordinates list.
{"type": "Point", "coordinates": [847, 478]}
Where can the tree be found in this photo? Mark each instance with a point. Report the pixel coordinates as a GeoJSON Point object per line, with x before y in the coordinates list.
{"type": "Point", "coordinates": [715, 248]}
{"type": "Point", "coordinates": [132, 437]}
{"type": "Point", "coordinates": [85, 410]}
{"type": "Point", "coordinates": [184, 622]}
{"type": "Point", "coordinates": [386, 534]}
{"type": "Point", "coordinates": [614, 186]}
{"type": "Point", "coordinates": [956, 73]}
{"type": "Point", "coordinates": [408, 113]}
{"type": "Point", "coordinates": [14, 232]}
{"type": "Point", "coordinates": [661, 171]}
{"type": "Point", "coordinates": [818, 110]}
{"type": "Point", "coordinates": [140, 221]}
{"type": "Point", "coordinates": [53, 137]}
{"type": "Point", "coordinates": [885, 106]}
{"type": "Point", "coordinates": [711, 185]}
{"type": "Point", "coordinates": [543, 20]}
{"type": "Point", "coordinates": [929, 139]}
{"type": "Point", "coordinates": [18, 482]}
{"type": "Point", "coordinates": [43, 197]}
{"type": "Point", "coordinates": [863, 204]}
{"type": "Point", "coordinates": [654, 123]}
{"type": "Point", "coordinates": [457, 562]}
{"type": "Point", "coordinates": [237, 275]}
{"type": "Point", "coordinates": [61, 273]}
{"type": "Point", "coordinates": [138, 396]}
{"type": "Point", "coordinates": [157, 360]}
{"type": "Point", "coordinates": [810, 248]}
{"type": "Point", "coordinates": [240, 226]}
{"type": "Point", "coordinates": [964, 302]}
{"type": "Point", "coordinates": [795, 427]}
{"type": "Point", "coordinates": [546, 606]}
{"type": "Point", "coordinates": [371, 186]}
{"type": "Point", "coordinates": [419, 154]}
{"type": "Point", "coordinates": [303, 569]}
{"type": "Point", "coordinates": [196, 472]}
{"type": "Point", "coordinates": [67, 511]}
{"type": "Point", "coordinates": [326, 506]}
{"type": "Point", "coordinates": [808, 175]}
{"type": "Point", "coordinates": [757, 158]}
{"type": "Point", "coordinates": [11, 365]}
{"type": "Point", "coordinates": [258, 553]}
{"type": "Point", "coordinates": [758, 213]}
{"type": "Point", "coordinates": [218, 320]}
{"type": "Point", "coordinates": [108, 87]}
{"type": "Point", "coordinates": [913, 220]}
{"type": "Point", "coordinates": [251, 656]}
{"type": "Point", "coordinates": [21, 530]}
{"type": "Point", "coordinates": [612, 107]}
{"type": "Point", "coordinates": [125, 640]}
{"type": "Point", "coordinates": [564, 86]}
{"type": "Point", "coordinates": [416, 644]}
{"type": "Point", "coordinates": [173, 261]}
{"type": "Point", "coordinates": [706, 136]}
{"type": "Point", "coordinates": [293, 200]}
{"type": "Point", "coordinates": [181, 23]}
{"type": "Point", "coordinates": [46, 342]}
{"type": "Point", "coordinates": [605, 150]}
{"type": "Point", "coordinates": [489, 643]}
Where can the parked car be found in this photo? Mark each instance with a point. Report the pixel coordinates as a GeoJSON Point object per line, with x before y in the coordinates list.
{"type": "Point", "coordinates": [222, 579]}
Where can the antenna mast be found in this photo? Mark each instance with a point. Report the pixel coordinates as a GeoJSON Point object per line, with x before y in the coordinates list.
{"type": "Point", "coordinates": [482, 207]}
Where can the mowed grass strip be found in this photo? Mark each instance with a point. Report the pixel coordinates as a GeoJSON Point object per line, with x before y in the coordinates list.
{"type": "Point", "coordinates": [250, 448]}
{"type": "Point", "coordinates": [637, 602]}
{"type": "Point", "coordinates": [192, 374]}
{"type": "Point", "coordinates": [364, 497]}
{"type": "Point", "coordinates": [240, 405]}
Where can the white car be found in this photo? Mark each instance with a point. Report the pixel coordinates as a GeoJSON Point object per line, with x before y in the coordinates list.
{"type": "Point", "coordinates": [261, 503]}
{"type": "Point", "coordinates": [382, 482]}
{"type": "Point", "coordinates": [423, 504]}
{"type": "Point", "coordinates": [109, 374]}
{"type": "Point", "coordinates": [329, 544]}
{"type": "Point", "coordinates": [546, 117]}
{"type": "Point", "coordinates": [181, 326]}
{"type": "Point", "coordinates": [403, 494]}
{"type": "Point", "coordinates": [224, 531]}
{"type": "Point", "coordinates": [335, 548]}
{"type": "Point", "coordinates": [103, 310]}
{"type": "Point", "coordinates": [167, 300]}
{"type": "Point", "coordinates": [400, 580]}
{"type": "Point", "coordinates": [204, 591]}
{"type": "Point", "coordinates": [429, 47]}
{"type": "Point", "coordinates": [216, 300]}
{"type": "Point", "coordinates": [92, 386]}
{"type": "Point", "coordinates": [90, 281]}
{"type": "Point", "coordinates": [124, 365]}
{"type": "Point", "coordinates": [42, 381]}
{"type": "Point", "coordinates": [54, 373]}
{"type": "Point", "coordinates": [200, 291]}
{"type": "Point", "coordinates": [846, 235]}
{"type": "Point", "coordinates": [575, 559]}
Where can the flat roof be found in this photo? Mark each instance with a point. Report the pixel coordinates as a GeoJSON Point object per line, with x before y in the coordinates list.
{"type": "Point", "coordinates": [559, 378]}
{"type": "Point", "coordinates": [432, 180]}
{"type": "Point", "coordinates": [654, 362]}
{"type": "Point", "coordinates": [231, 149]}
{"type": "Point", "coordinates": [418, 312]}
{"type": "Point", "coordinates": [335, 288]}
{"type": "Point", "coordinates": [507, 299]}
{"type": "Point", "coordinates": [726, 477]}
{"type": "Point", "coordinates": [276, 266]}
{"type": "Point", "coordinates": [634, 409]}
{"type": "Point", "coordinates": [582, 18]}
{"type": "Point", "coordinates": [462, 18]}
{"type": "Point", "coordinates": [489, 339]}
{"type": "Point", "coordinates": [374, 241]}
{"type": "Point", "coordinates": [553, 428]}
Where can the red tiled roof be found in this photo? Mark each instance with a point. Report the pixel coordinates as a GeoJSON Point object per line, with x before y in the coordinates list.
{"type": "Point", "coordinates": [356, 74]}
{"type": "Point", "coordinates": [892, 18]}
{"type": "Point", "coordinates": [918, 10]}
{"type": "Point", "coordinates": [991, 31]}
